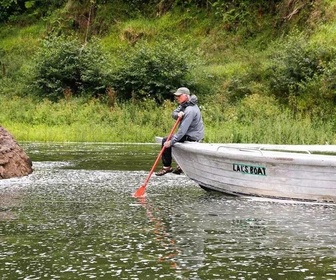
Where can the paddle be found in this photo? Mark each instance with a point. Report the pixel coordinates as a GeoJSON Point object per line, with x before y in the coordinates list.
{"type": "Point", "coordinates": [142, 189]}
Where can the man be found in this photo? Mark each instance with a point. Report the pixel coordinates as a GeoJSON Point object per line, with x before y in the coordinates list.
{"type": "Point", "coordinates": [191, 127]}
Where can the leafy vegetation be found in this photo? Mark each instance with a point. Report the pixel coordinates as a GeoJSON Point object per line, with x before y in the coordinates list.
{"type": "Point", "coordinates": [64, 67]}
{"type": "Point", "coordinates": [300, 77]}
{"type": "Point", "coordinates": [13, 9]}
{"type": "Point", "coordinates": [263, 70]}
{"type": "Point", "coordinates": [153, 72]}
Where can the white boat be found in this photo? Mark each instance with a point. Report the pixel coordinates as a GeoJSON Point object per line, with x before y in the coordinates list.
{"type": "Point", "coordinates": [300, 172]}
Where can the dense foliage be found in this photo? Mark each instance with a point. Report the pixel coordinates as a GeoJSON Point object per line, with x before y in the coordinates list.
{"type": "Point", "coordinates": [153, 72]}
{"type": "Point", "coordinates": [251, 63]}
{"type": "Point", "coordinates": [299, 75]}
{"type": "Point", "coordinates": [64, 67]}
{"type": "Point", "coordinates": [10, 9]}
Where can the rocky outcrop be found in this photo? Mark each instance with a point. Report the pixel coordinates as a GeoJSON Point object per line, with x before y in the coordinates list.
{"type": "Point", "coordinates": [14, 162]}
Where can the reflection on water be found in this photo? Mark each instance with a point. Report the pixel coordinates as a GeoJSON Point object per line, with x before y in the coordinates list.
{"type": "Point", "coordinates": [75, 218]}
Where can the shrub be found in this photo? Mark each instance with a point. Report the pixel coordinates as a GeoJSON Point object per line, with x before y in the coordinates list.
{"type": "Point", "coordinates": [302, 76]}
{"type": "Point", "coordinates": [153, 72]}
{"type": "Point", "coordinates": [318, 95]}
{"type": "Point", "coordinates": [294, 64]}
{"type": "Point", "coordinates": [64, 67]}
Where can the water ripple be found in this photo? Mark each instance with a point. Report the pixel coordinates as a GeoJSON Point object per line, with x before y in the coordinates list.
{"type": "Point", "coordinates": [66, 222]}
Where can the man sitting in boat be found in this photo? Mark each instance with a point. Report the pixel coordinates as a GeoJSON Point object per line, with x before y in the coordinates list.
{"type": "Point", "coordinates": [191, 128]}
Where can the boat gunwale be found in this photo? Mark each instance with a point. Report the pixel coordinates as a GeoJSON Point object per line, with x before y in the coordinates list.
{"type": "Point", "coordinates": [257, 155]}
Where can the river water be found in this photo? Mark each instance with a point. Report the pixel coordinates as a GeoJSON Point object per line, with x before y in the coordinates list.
{"type": "Point", "coordinates": [75, 218]}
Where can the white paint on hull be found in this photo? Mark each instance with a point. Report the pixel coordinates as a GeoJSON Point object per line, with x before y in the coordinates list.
{"type": "Point", "coordinates": [281, 171]}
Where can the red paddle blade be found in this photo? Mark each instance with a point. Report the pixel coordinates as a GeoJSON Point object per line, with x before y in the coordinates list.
{"type": "Point", "coordinates": [140, 191]}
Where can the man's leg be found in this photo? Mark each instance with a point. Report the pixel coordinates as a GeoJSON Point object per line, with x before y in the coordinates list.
{"type": "Point", "coordinates": [166, 160]}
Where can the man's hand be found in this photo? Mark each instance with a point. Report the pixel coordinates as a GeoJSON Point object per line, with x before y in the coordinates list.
{"type": "Point", "coordinates": [167, 144]}
{"type": "Point", "coordinates": [180, 114]}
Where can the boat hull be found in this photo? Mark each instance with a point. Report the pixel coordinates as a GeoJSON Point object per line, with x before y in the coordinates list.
{"type": "Point", "coordinates": [252, 171]}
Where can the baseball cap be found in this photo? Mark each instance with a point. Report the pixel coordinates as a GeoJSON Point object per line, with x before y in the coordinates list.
{"type": "Point", "coordinates": [182, 90]}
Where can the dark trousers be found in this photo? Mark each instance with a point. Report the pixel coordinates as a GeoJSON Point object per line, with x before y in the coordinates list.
{"type": "Point", "coordinates": [167, 153]}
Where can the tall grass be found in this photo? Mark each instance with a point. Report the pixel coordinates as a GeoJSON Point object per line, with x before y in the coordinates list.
{"type": "Point", "coordinates": [282, 130]}
{"type": "Point", "coordinates": [80, 120]}
{"type": "Point", "coordinates": [235, 105]}
{"type": "Point", "coordinates": [260, 119]}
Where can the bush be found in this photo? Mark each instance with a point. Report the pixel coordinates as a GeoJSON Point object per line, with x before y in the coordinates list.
{"type": "Point", "coordinates": [294, 64]}
{"type": "Point", "coordinates": [302, 76]}
{"type": "Point", "coordinates": [65, 67]}
{"type": "Point", "coordinates": [318, 95]}
{"type": "Point", "coordinates": [153, 72]}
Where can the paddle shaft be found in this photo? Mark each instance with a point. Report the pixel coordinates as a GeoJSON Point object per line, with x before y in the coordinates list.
{"type": "Point", "coordinates": [162, 150]}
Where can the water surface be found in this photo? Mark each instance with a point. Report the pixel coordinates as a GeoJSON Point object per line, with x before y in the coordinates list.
{"type": "Point", "coordinates": [75, 218]}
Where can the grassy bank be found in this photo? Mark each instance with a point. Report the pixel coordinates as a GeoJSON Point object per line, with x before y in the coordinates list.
{"type": "Point", "coordinates": [81, 120]}
{"type": "Point", "coordinates": [258, 74]}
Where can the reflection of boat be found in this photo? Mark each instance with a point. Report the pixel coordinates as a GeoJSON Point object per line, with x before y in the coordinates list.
{"type": "Point", "coordinates": [303, 172]}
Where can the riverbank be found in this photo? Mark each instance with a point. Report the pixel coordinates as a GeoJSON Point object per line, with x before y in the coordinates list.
{"type": "Point", "coordinates": [79, 120]}
{"type": "Point", "coordinates": [263, 73]}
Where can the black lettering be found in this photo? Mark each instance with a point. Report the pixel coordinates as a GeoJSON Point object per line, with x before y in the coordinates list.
{"type": "Point", "coordinates": [234, 167]}
{"type": "Point", "coordinates": [248, 169]}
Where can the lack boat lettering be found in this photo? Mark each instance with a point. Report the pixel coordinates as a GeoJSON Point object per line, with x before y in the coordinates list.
{"type": "Point", "coordinates": [249, 169]}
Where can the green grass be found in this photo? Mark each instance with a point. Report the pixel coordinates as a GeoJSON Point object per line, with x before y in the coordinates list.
{"type": "Point", "coordinates": [226, 55]}
{"type": "Point", "coordinates": [21, 40]}
{"type": "Point", "coordinates": [79, 120]}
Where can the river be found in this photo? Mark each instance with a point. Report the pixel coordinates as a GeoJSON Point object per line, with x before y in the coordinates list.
{"type": "Point", "coordinates": [74, 217]}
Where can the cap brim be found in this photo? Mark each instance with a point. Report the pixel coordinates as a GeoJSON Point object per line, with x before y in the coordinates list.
{"type": "Point", "coordinates": [178, 93]}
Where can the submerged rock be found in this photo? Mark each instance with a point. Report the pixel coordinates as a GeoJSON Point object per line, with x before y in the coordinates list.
{"type": "Point", "coordinates": [14, 162]}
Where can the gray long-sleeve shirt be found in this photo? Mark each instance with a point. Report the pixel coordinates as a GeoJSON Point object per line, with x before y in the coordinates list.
{"type": "Point", "coordinates": [191, 123]}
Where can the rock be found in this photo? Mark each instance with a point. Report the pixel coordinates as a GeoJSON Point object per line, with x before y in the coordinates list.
{"type": "Point", "coordinates": [14, 162]}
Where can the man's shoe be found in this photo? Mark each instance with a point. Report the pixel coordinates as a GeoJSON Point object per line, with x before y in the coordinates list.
{"type": "Point", "coordinates": [178, 170]}
{"type": "Point", "coordinates": [164, 171]}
